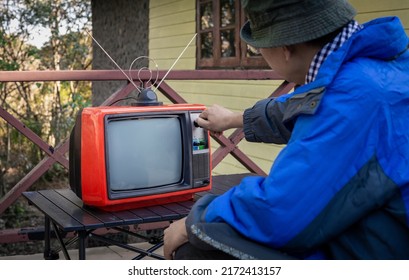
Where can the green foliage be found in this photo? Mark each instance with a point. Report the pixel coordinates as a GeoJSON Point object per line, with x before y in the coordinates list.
{"type": "Point", "coordinates": [15, 213]}
{"type": "Point", "coordinates": [2, 39]}
{"type": "Point", "coordinates": [79, 101]}
{"type": "Point", "coordinates": [8, 66]}
{"type": "Point", "coordinates": [5, 64]}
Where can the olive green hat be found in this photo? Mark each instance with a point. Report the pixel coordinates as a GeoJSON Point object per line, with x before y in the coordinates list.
{"type": "Point", "coordinates": [276, 23]}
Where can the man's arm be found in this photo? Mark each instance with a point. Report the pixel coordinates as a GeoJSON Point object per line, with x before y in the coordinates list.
{"type": "Point", "coordinates": [262, 123]}
{"type": "Point", "coordinates": [174, 236]}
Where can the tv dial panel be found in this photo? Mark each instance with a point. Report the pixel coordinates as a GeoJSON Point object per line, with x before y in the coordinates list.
{"type": "Point", "coordinates": [201, 157]}
{"type": "Point", "coordinates": [199, 135]}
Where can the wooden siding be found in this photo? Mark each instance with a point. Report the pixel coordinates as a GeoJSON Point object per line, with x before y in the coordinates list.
{"type": "Point", "coordinates": [370, 9]}
{"type": "Point", "coordinates": [172, 25]}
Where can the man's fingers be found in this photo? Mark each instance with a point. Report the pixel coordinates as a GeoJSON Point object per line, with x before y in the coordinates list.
{"type": "Point", "coordinates": [204, 114]}
{"type": "Point", "coordinates": [202, 122]}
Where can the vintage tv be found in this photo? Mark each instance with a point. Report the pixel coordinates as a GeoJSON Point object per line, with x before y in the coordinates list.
{"type": "Point", "coordinates": [124, 157]}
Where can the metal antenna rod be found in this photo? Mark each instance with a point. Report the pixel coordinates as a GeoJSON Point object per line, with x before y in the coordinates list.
{"type": "Point", "coordinates": [177, 59]}
{"type": "Point", "coordinates": [116, 64]}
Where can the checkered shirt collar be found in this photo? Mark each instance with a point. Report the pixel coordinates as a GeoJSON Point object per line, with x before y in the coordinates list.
{"type": "Point", "coordinates": [332, 46]}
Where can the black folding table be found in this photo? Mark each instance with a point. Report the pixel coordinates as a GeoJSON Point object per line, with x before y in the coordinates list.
{"type": "Point", "coordinates": [65, 213]}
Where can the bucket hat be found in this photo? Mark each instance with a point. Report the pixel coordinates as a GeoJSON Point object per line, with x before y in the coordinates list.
{"type": "Point", "coordinates": [276, 23]}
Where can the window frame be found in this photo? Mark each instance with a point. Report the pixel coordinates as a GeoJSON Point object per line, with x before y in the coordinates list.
{"type": "Point", "coordinates": [240, 60]}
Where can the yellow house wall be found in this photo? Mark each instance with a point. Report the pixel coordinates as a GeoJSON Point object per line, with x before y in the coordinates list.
{"type": "Point", "coordinates": [172, 24]}
{"type": "Point", "coordinates": [370, 9]}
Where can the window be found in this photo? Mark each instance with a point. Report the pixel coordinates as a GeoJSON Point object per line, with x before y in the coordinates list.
{"type": "Point", "coordinates": [218, 40]}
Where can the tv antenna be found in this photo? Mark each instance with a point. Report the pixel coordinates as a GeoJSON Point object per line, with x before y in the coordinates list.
{"type": "Point", "coordinates": [177, 59]}
{"type": "Point", "coordinates": [146, 96]}
{"type": "Point", "coordinates": [116, 64]}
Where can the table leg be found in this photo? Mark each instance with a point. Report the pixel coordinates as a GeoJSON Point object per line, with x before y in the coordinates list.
{"type": "Point", "coordinates": [47, 234]}
{"type": "Point", "coordinates": [60, 239]}
{"type": "Point", "coordinates": [82, 238]}
{"type": "Point", "coordinates": [48, 253]}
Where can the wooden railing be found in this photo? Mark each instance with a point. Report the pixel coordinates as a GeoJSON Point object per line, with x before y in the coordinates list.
{"type": "Point", "coordinates": [57, 154]}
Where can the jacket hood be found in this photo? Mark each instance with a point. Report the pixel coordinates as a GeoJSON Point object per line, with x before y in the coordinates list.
{"type": "Point", "coordinates": [382, 38]}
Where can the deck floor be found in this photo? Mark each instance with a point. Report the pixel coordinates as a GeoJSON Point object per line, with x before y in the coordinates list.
{"type": "Point", "coordinates": [96, 253]}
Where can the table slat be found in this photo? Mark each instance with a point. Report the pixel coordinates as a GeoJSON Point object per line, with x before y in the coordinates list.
{"type": "Point", "coordinates": [107, 218]}
{"type": "Point", "coordinates": [166, 214]}
{"type": "Point", "coordinates": [146, 215]}
{"type": "Point", "coordinates": [128, 217]}
{"type": "Point", "coordinates": [78, 213]}
{"type": "Point", "coordinates": [55, 213]}
{"type": "Point", "coordinates": [178, 208]}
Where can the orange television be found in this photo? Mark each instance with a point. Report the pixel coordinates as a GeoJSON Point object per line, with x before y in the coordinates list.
{"type": "Point", "coordinates": [124, 157]}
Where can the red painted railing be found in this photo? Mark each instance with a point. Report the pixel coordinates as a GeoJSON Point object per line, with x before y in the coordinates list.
{"type": "Point", "coordinates": [57, 154]}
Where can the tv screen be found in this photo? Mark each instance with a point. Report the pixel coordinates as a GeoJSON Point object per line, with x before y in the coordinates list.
{"type": "Point", "coordinates": [128, 157]}
{"type": "Point", "coordinates": [144, 153]}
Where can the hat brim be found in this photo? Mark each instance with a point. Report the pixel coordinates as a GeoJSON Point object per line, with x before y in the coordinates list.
{"type": "Point", "coordinates": [265, 38]}
{"type": "Point", "coordinates": [245, 34]}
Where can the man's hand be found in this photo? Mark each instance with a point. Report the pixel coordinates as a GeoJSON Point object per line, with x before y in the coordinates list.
{"type": "Point", "coordinates": [218, 119]}
{"type": "Point", "coordinates": [174, 236]}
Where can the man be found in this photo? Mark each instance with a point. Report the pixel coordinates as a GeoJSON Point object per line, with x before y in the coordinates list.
{"type": "Point", "coordinates": [340, 187]}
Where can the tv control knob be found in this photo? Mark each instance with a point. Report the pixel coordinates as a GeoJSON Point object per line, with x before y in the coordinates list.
{"type": "Point", "coordinates": [195, 124]}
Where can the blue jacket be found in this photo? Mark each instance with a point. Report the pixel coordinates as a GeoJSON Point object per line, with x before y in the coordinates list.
{"type": "Point", "coordinates": [341, 184]}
